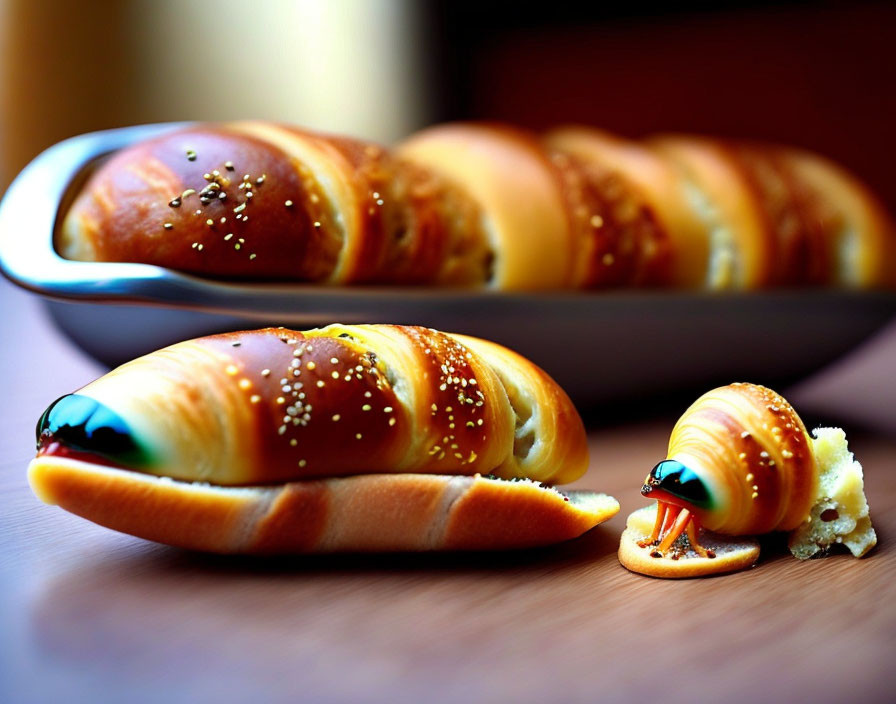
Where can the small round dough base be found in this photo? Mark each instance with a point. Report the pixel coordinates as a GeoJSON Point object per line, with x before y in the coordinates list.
{"type": "Point", "coordinates": [732, 553]}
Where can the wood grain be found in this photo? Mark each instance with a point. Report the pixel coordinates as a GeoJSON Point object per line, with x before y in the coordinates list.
{"type": "Point", "coordinates": [90, 615]}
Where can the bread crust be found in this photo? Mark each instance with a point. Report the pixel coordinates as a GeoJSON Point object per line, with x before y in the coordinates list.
{"type": "Point", "coordinates": [276, 405]}
{"type": "Point", "coordinates": [652, 186]}
{"type": "Point", "coordinates": [508, 174]}
{"type": "Point", "coordinates": [364, 513]}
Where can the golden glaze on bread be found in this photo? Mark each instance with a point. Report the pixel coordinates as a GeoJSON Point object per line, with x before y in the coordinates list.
{"type": "Point", "coordinates": [482, 205]}
{"type": "Point", "coordinates": [276, 405]}
{"type": "Point", "coordinates": [264, 201]}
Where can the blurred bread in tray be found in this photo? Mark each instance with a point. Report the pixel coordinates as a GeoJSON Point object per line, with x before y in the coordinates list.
{"type": "Point", "coordinates": [482, 206]}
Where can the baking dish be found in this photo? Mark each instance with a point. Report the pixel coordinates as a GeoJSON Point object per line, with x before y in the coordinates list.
{"type": "Point", "coordinates": [601, 346]}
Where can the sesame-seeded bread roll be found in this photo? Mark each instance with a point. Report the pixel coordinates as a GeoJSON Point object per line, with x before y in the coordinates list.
{"type": "Point", "coordinates": [347, 424]}
{"type": "Point", "coordinates": [485, 206]}
{"type": "Point", "coordinates": [254, 200]}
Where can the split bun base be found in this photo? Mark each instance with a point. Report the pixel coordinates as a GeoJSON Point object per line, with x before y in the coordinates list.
{"type": "Point", "coordinates": [364, 513]}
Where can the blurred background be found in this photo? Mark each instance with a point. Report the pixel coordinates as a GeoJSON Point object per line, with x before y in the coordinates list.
{"type": "Point", "coordinates": [814, 74]}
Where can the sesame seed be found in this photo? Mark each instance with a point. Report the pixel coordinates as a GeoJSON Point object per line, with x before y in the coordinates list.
{"type": "Point", "coordinates": [335, 375]}
{"type": "Point", "coordinates": [191, 155]}
{"type": "Point", "coordinates": [280, 399]}
{"type": "Point", "coordinates": [255, 398]}
{"type": "Point", "coordinates": [336, 417]}
{"type": "Point", "coordinates": [265, 372]}
{"type": "Point", "coordinates": [167, 225]}
{"type": "Point", "coordinates": [786, 454]}
{"type": "Point", "coordinates": [320, 384]}
{"type": "Point", "coordinates": [358, 436]}
{"type": "Point", "coordinates": [596, 221]}
{"type": "Point", "coordinates": [367, 394]}
{"type": "Point", "coordinates": [293, 442]}
{"type": "Point", "coordinates": [365, 407]}
{"type": "Point", "coordinates": [749, 477]}
{"type": "Point", "coordinates": [245, 383]}
{"type": "Point", "coordinates": [333, 360]}
{"type": "Point", "coordinates": [310, 365]}
{"type": "Point", "coordinates": [755, 495]}
{"type": "Point", "coordinates": [288, 204]}
{"type": "Point", "coordinates": [302, 463]}
{"type": "Point", "coordinates": [387, 409]}
{"type": "Point", "coordinates": [231, 369]}
{"type": "Point", "coordinates": [252, 256]}
{"type": "Point", "coordinates": [228, 165]}
{"type": "Point", "coordinates": [317, 225]}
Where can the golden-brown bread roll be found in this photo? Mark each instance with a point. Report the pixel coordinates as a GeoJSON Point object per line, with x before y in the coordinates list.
{"type": "Point", "coordinates": [506, 171]}
{"type": "Point", "coordinates": [860, 237]}
{"type": "Point", "coordinates": [341, 426]}
{"type": "Point", "coordinates": [257, 200]}
{"type": "Point", "coordinates": [741, 463]}
{"type": "Point", "coordinates": [643, 212]}
{"type": "Point", "coordinates": [782, 217]}
{"type": "Point", "coordinates": [482, 205]}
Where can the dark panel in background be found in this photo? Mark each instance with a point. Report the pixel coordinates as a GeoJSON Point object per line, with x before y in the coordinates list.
{"type": "Point", "coordinates": [817, 75]}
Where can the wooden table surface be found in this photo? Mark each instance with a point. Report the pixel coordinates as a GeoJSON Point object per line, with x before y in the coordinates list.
{"type": "Point", "coordinates": [90, 615]}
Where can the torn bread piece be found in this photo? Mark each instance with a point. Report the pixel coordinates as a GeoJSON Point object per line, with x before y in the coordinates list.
{"type": "Point", "coordinates": [730, 554]}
